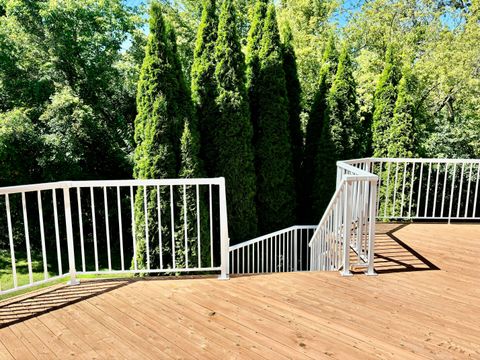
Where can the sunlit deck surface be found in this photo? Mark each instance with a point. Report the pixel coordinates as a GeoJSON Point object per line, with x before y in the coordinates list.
{"type": "Point", "coordinates": [425, 303]}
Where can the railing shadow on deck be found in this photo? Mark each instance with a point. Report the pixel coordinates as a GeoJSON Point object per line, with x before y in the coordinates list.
{"type": "Point", "coordinates": [17, 310]}
{"type": "Point", "coordinates": [392, 255]}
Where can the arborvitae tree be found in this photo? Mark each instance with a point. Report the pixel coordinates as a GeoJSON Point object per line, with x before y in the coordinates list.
{"type": "Point", "coordinates": [163, 105]}
{"type": "Point", "coordinates": [315, 124]}
{"type": "Point", "coordinates": [384, 103]}
{"type": "Point", "coordinates": [192, 205]}
{"type": "Point", "coordinates": [233, 130]}
{"type": "Point", "coordinates": [340, 137]}
{"type": "Point", "coordinates": [203, 82]}
{"type": "Point", "coordinates": [276, 201]}
{"type": "Point", "coordinates": [294, 92]}
{"type": "Point", "coordinates": [253, 61]}
{"type": "Point", "coordinates": [402, 132]}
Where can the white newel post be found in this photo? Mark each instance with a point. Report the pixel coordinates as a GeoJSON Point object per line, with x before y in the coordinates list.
{"type": "Point", "coordinates": [68, 223]}
{"type": "Point", "coordinates": [371, 231]}
{"type": "Point", "coordinates": [346, 229]}
{"type": "Point", "coordinates": [224, 239]}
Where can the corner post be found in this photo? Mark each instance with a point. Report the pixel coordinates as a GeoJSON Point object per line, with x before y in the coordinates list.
{"type": "Point", "coordinates": [347, 218]}
{"type": "Point", "coordinates": [68, 221]}
{"type": "Point", "coordinates": [224, 239]}
{"type": "Point", "coordinates": [371, 231]}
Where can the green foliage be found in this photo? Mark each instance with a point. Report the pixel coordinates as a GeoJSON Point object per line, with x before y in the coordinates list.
{"type": "Point", "coordinates": [294, 92]}
{"type": "Point", "coordinates": [402, 140]}
{"type": "Point", "coordinates": [276, 202]}
{"type": "Point", "coordinates": [385, 98]}
{"type": "Point", "coordinates": [233, 130]}
{"type": "Point", "coordinates": [163, 104]}
{"type": "Point", "coordinates": [198, 253]}
{"type": "Point", "coordinates": [313, 137]}
{"type": "Point", "coordinates": [77, 144]}
{"type": "Point", "coordinates": [203, 82]}
{"type": "Point", "coordinates": [19, 148]}
{"type": "Point", "coordinates": [341, 134]}
{"type": "Point", "coordinates": [253, 59]}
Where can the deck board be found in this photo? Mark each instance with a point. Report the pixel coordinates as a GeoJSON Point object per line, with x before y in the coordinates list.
{"type": "Point", "coordinates": [424, 304]}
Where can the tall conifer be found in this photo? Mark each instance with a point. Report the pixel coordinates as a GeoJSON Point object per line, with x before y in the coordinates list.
{"type": "Point", "coordinates": [313, 141]}
{"type": "Point", "coordinates": [276, 202]}
{"type": "Point", "coordinates": [294, 92]}
{"type": "Point", "coordinates": [384, 103]}
{"type": "Point", "coordinates": [163, 106]}
{"type": "Point", "coordinates": [203, 82]}
{"type": "Point", "coordinates": [340, 138]}
{"type": "Point", "coordinates": [233, 130]}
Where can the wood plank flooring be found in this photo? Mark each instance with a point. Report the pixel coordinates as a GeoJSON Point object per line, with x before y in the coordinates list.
{"type": "Point", "coordinates": [424, 304]}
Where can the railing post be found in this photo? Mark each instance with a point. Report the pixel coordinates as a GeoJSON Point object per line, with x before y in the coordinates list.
{"type": "Point", "coordinates": [295, 249]}
{"type": "Point", "coordinates": [68, 222]}
{"type": "Point", "coordinates": [346, 229]}
{"type": "Point", "coordinates": [371, 231]}
{"type": "Point", "coordinates": [224, 239]}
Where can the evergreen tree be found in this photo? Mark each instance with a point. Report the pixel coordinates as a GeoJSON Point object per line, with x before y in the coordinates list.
{"type": "Point", "coordinates": [192, 205]}
{"type": "Point", "coordinates": [340, 138]}
{"type": "Point", "coordinates": [163, 105]}
{"type": "Point", "coordinates": [294, 92]}
{"type": "Point", "coordinates": [315, 125]}
{"type": "Point", "coordinates": [253, 60]}
{"type": "Point", "coordinates": [276, 201]}
{"type": "Point", "coordinates": [203, 82]}
{"type": "Point", "coordinates": [233, 130]}
{"type": "Point", "coordinates": [402, 132]}
{"type": "Point", "coordinates": [384, 103]}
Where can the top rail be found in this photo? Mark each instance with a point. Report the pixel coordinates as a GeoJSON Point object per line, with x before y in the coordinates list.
{"type": "Point", "coordinates": [106, 183]}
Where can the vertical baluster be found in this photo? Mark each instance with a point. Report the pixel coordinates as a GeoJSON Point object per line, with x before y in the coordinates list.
{"type": "Point", "coordinates": [387, 192]}
{"type": "Point", "coordinates": [42, 235]}
{"type": "Point", "coordinates": [185, 225]}
{"type": "Point", "coordinates": [460, 191]}
{"type": "Point", "coordinates": [80, 225]}
{"type": "Point", "coordinates": [27, 238]}
{"type": "Point", "coordinates": [275, 241]}
{"type": "Point", "coordinates": [475, 198]}
{"type": "Point", "coordinates": [452, 192]}
{"type": "Point", "coordinates": [172, 224]}
{"type": "Point", "coordinates": [211, 223]}
{"type": "Point", "coordinates": [258, 258]}
{"type": "Point", "coordinates": [197, 194]}
{"type": "Point", "coordinates": [243, 260]}
{"type": "Point", "coordinates": [263, 256]}
{"type": "Point", "coordinates": [57, 232]}
{"type": "Point", "coordinates": [428, 189]}
{"type": "Point", "coordinates": [444, 189]}
{"type": "Point", "coordinates": [411, 191]}
{"type": "Point", "coordinates": [248, 259]}
{"type": "Point", "coordinates": [147, 238]}
{"type": "Point", "coordinates": [271, 254]}
{"type": "Point", "coordinates": [107, 228]}
{"type": "Point", "coordinates": [403, 188]}
{"type": "Point", "coordinates": [468, 190]}
{"type": "Point", "coordinates": [395, 190]}
{"type": "Point", "coordinates": [134, 239]}
{"type": "Point", "coordinates": [436, 192]}
{"type": "Point", "coordinates": [160, 228]}
{"type": "Point", "coordinates": [379, 182]}
{"type": "Point", "coordinates": [10, 239]}
{"type": "Point", "coordinates": [419, 189]}
{"type": "Point", "coordinates": [120, 229]}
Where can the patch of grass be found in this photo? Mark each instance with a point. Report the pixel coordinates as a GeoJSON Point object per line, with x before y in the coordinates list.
{"type": "Point", "coordinates": [6, 275]}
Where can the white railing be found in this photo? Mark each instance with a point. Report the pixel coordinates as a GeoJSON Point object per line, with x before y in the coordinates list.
{"type": "Point", "coordinates": [96, 227]}
{"type": "Point", "coordinates": [347, 227]}
{"type": "Point", "coordinates": [286, 250]}
{"type": "Point", "coordinates": [433, 189]}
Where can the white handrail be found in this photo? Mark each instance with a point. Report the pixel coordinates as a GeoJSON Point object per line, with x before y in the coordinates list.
{"type": "Point", "coordinates": [91, 216]}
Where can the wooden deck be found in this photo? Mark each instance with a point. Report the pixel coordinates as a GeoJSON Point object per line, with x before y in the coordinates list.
{"type": "Point", "coordinates": [425, 303]}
